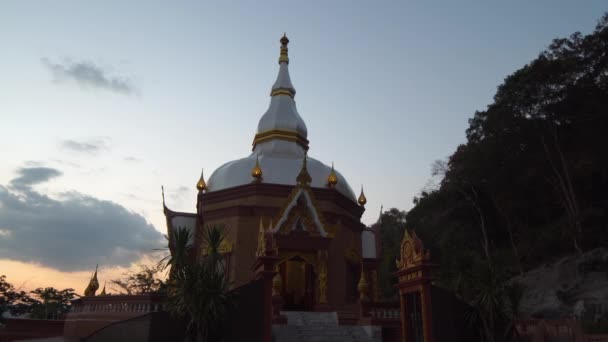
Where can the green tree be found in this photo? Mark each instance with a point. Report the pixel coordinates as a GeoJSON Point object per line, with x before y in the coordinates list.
{"type": "Point", "coordinates": [50, 303]}
{"type": "Point", "coordinates": [198, 289]}
{"type": "Point", "coordinates": [391, 232]}
{"type": "Point", "coordinates": [12, 300]}
{"type": "Point", "coordinates": [530, 184]}
{"type": "Point", "coordinates": [148, 280]}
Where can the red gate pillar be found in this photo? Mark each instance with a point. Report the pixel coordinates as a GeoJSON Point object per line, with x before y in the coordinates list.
{"type": "Point", "coordinates": [414, 282]}
{"type": "Point", "coordinates": [265, 269]}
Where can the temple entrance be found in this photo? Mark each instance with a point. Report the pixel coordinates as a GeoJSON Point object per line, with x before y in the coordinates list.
{"type": "Point", "coordinates": [298, 284]}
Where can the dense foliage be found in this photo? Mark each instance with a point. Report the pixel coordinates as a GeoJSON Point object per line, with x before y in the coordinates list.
{"type": "Point", "coordinates": [531, 182]}
{"type": "Point", "coordinates": [198, 287]}
{"type": "Point", "coordinates": [41, 303]}
{"type": "Point", "coordinates": [148, 280]}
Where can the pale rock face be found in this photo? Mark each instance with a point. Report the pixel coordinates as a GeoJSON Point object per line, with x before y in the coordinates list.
{"type": "Point", "coordinates": [575, 286]}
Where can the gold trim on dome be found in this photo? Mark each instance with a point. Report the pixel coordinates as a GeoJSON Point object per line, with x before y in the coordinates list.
{"type": "Point", "coordinates": [282, 91]}
{"type": "Point", "coordinates": [281, 134]}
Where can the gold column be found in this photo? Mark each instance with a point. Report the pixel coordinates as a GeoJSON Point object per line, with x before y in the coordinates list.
{"type": "Point", "coordinates": [363, 287]}
{"type": "Point", "coordinates": [376, 289]}
{"type": "Point", "coordinates": [323, 277]}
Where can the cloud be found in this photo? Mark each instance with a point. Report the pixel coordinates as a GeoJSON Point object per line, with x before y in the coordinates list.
{"type": "Point", "coordinates": [88, 75]}
{"type": "Point", "coordinates": [29, 176]}
{"type": "Point", "coordinates": [71, 233]}
{"type": "Point", "coordinates": [86, 147]}
{"type": "Point", "coordinates": [132, 159]}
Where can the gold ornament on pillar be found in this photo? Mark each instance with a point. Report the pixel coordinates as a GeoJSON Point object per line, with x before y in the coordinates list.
{"type": "Point", "coordinates": [277, 283]}
{"type": "Point", "coordinates": [322, 277]}
{"type": "Point", "coordinates": [376, 289]}
{"type": "Point", "coordinates": [93, 285]}
{"type": "Point", "coordinates": [363, 287]}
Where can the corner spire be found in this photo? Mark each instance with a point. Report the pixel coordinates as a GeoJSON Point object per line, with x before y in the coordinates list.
{"type": "Point", "coordinates": [256, 172]}
{"type": "Point", "coordinates": [362, 199]}
{"type": "Point", "coordinates": [304, 178]}
{"type": "Point", "coordinates": [332, 179]}
{"type": "Point", "coordinates": [201, 185]}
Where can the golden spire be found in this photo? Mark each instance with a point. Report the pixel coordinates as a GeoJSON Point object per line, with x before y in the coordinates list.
{"type": "Point", "coordinates": [283, 57]}
{"type": "Point", "coordinates": [103, 292]}
{"type": "Point", "coordinates": [304, 178]}
{"type": "Point", "coordinates": [93, 285]}
{"type": "Point", "coordinates": [362, 199]}
{"type": "Point", "coordinates": [201, 185]}
{"type": "Point", "coordinates": [332, 179]}
{"type": "Point", "coordinates": [256, 172]}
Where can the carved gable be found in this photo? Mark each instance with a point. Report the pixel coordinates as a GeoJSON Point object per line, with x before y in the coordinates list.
{"type": "Point", "coordinates": [300, 214]}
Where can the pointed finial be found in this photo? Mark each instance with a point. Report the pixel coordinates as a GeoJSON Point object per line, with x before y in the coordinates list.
{"type": "Point", "coordinates": [362, 199]}
{"type": "Point", "coordinates": [332, 179]}
{"type": "Point", "coordinates": [304, 178]}
{"type": "Point", "coordinates": [283, 57]}
{"type": "Point", "coordinates": [93, 284]}
{"type": "Point", "coordinates": [201, 185]}
{"type": "Point", "coordinates": [103, 291]}
{"type": "Point", "coordinates": [256, 172]}
{"type": "Point", "coordinates": [162, 190]}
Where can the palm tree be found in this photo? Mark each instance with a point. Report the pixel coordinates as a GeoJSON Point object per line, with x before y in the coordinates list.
{"type": "Point", "coordinates": [198, 290]}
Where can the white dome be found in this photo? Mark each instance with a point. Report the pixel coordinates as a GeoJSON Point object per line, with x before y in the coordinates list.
{"type": "Point", "coordinates": [277, 168]}
{"type": "Point", "coordinates": [280, 144]}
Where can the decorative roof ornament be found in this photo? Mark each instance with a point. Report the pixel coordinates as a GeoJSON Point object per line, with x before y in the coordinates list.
{"type": "Point", "coordinates": [93, 285]}
{"type": "Point", "coordinates": [256, 172]}
{"type": "Point", "coordinates": [261, 240]}
{"type": "Point", "coordinates": [304, 178]}
{"type": "Point", "coordinates": [103, 292]}
{"type": "Point", "coordinates": [332, 179]}
{"type": "Point", "coordinates": [283, 84]}
{"type": "Point", "coordinates": [412, 251]}
{"type": "Point", "coordinates": [201, 185]}
{"type": "Point", "coordinates": [362, 199]}
{"type": "Point", "coordinates": [284, 57]}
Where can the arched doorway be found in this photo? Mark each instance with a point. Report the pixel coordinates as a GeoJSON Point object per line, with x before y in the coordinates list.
{"type": "Point", "coordinates": [298, 279]}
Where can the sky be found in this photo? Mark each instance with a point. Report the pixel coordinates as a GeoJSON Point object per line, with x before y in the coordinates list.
{"type": "Point", "coordinates": [103, 102]}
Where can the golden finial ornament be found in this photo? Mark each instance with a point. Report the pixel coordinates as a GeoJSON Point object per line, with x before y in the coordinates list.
{"type": "Point", "coordinates": [256, 172]}
{"type": "Point", "coordinates": [304, 178]}
{"type": "Point", "coordinates": [362, 199]}
{"type": "Point", "coordinates": [332, 179]}
{"type": "Point", "coordinates": [283, 57]}
{"type": "Point", "coordinates": [201, 185]}
{"type": "Point", "coordinates": [103, 291]}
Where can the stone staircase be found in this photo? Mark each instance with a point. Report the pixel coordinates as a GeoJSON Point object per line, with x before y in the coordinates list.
{"type": "Point", "coordinates": [320, 326]}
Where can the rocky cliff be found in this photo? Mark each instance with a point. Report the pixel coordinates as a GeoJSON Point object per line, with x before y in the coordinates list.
{"type": "Point", "coordinates": [575, 286]}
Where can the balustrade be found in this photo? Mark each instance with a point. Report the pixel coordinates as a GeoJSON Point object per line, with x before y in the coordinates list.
{"type": "Point", "coordinates": [119, 304]}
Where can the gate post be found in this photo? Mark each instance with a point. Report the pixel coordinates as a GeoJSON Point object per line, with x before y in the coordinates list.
{"type": "Point", "coordinates": [414, 284]}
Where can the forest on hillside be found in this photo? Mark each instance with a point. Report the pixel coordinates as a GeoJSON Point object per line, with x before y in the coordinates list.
{"type": "Point", "coordinates": [530, 184]}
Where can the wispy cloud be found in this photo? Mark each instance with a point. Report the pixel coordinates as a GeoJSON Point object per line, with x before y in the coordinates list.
{"type": "Point", "coordinates": [88, 75]}
{"type": "Point", "coordinates": [71, 232]}
{"type": "Point", "coordinates": [93, 146]}
{"type": "Point", "coordinates": [132, 159]}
